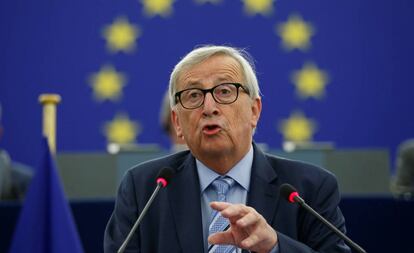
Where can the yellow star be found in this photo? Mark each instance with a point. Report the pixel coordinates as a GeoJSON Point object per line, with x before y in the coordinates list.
{"type": "Point", "coordinates": [264, 7]}
{"type": "Point", "coordinates": [295, 33]}
{"type": "Point", "coordinates": [297, 128]}
{"type": "Point", "coordinates": [121, 130]}
{"type": "Point", "coordinates": [157, 7]}
{"type": "Point", "coordinates": [107, 84]}
{"type": "Point", "coordinates": [310, 81]}
{"type": "Point", "coordinates": [121, 35]}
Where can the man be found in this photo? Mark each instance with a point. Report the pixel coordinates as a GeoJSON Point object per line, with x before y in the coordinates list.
{"type": "Point", "coordinates": [216, 106]}
{"type": "Point", "coordinates": [177, 144]}
{"type": "Point", "coordinates": [14, 177]}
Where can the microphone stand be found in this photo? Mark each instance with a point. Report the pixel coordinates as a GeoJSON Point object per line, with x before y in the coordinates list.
{"type": "Point", "coordinates": [138, 221]}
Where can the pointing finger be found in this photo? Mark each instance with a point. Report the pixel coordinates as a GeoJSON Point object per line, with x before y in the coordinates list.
{"type": "Point", "coordinates": [221, 238]}
{"type": "Point", "coordinates": [219, 206]}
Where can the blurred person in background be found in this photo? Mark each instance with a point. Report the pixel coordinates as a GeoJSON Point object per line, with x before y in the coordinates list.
{"type": "Point", "coordinates": [402, 184]}
{"type": "Point", "coordinates": [14, 177]}
{"type": "Point", "coordinates": [177, 143]}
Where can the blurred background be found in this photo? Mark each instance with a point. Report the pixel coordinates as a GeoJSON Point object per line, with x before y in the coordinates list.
{"type": "Point", "coordinates": [335, 78]}
{"type": "Point", "coordinates": [340, 70]}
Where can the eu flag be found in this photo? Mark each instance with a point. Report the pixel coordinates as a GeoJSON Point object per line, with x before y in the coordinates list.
{"type": "Point", "coordinates": [46, 223]}
{"type": "Point", "coordinates": [329, 71]}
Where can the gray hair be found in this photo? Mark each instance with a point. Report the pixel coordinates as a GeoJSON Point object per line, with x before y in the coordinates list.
{"type": "Point", "coordinates": [204, 52]}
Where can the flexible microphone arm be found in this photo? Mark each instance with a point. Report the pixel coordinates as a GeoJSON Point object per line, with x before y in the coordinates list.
{"type": "Point", "coordinates": [162, 181]}
{"type": "Point", "coordinates": [138, 221]}
{"type": "Point", "coordinates": [292, 196]}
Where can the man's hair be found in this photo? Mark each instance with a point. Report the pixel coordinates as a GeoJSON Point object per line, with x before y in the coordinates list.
{"type": "Point", "coordinates": [202, 53]}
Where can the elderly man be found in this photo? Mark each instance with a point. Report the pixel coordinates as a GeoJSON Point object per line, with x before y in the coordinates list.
{"type": "Point", "coordinates": [224, 196]}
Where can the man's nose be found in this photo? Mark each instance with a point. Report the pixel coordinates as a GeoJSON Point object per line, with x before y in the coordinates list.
{"type": "Point", "coordinates": [210, 105]}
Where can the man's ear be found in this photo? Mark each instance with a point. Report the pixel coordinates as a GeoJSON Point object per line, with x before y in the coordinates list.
{"type": "Point", "coordinates": [176, 123]}
{"type": "Point", "coordinates": [256, 110]}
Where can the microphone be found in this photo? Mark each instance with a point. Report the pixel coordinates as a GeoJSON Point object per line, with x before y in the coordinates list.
{"type": "Point", "coordinates": [292, 195]}
{"type": "Point", "coordinates": [162, 180]}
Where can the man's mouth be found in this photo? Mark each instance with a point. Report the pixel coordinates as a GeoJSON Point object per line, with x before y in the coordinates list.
{"type": "Point", "coordinates": [211, 129]}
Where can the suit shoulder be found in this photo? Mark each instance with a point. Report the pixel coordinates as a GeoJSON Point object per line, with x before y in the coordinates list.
{"type": "Point", "coordinates": [151, 168]}
{"type": "Point", "coordinates": [309, 179]}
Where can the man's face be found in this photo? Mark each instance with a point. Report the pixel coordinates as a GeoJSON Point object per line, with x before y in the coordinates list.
{"type": "Point", "coordinates": [216, 130]}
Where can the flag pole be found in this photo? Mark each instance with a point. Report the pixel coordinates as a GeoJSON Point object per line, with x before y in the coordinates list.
{"type": "Point", "coordinates": [49, 103]}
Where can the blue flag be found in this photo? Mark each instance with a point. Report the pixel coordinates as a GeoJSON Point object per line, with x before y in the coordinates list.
{"type": "Point", "coordinates": [329, 71]}
{"type": "Point", "coordinates": [46, 224]}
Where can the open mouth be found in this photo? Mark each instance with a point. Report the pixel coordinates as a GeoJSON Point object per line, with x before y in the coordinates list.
{"type": "Point", "coordinates": [211, 129]}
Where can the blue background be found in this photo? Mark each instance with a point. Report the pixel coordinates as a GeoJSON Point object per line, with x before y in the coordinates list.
{"type": "Point", "coordinates": [366, 47]}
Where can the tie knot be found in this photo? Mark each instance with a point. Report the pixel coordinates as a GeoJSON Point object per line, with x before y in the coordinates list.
{"type": "Point", "coordinates": [222, 184]}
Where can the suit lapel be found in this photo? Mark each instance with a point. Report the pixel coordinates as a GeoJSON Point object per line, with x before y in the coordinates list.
{"type": "Point", "coordinates": [184, 192]}
{"type": "Point", "coordinates": [263, 194]}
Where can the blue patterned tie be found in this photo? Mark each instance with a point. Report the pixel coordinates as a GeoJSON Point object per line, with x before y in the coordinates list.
{"type": "Point", "coordinates": [218, 223]}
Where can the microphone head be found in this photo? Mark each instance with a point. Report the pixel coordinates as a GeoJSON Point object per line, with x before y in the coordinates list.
{"type": "Point", "coordinates": [164, 176]}
{"type": "Point", "coordinates": [288, 192]}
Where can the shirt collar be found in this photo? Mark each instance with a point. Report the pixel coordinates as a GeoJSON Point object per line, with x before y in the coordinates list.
{"type": "Point", "coordinates": [240, 172]}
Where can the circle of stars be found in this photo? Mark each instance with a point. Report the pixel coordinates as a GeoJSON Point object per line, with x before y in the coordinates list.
{"type": "Point", "coordinates": [122, 35]}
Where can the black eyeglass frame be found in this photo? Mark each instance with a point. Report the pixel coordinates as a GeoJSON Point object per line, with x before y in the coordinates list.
{"type": "Point", "coordinates": [177, 95]}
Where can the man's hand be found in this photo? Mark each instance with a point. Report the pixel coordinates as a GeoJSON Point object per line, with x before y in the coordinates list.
{"type": "Point", "coordinates": [248, 229]}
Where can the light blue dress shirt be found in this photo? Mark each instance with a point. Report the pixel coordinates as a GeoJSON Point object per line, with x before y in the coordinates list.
{"type": "Point", "coordinates": [237, 193]}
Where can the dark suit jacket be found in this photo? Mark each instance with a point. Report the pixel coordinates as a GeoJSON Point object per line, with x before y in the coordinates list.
{"type": "Point", "coordinates": [173, 222]}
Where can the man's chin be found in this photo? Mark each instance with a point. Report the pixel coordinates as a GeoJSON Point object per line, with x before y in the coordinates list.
{"type": "Point", "coordinates": [215, 148]}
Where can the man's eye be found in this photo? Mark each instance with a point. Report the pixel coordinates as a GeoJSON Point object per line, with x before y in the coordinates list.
{"type": "Point", "coordinates": [193, 95]}
{"type": "Point", "coordinates": [223, 91]}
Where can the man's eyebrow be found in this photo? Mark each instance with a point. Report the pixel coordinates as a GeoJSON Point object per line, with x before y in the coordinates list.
{"type": "Point", "coordinates": [192, 84]}
{"type": "Point", "coordinates": [197, 83]}
{"type": "Point", "coordinates": [225, 79]}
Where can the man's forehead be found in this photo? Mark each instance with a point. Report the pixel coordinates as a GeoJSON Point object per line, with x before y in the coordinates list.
{"type": "Point", "coordinates": [219, 68]}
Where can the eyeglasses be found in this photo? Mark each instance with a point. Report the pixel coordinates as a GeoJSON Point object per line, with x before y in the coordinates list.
{"type": "Point", "coordinates": [225, 93]}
